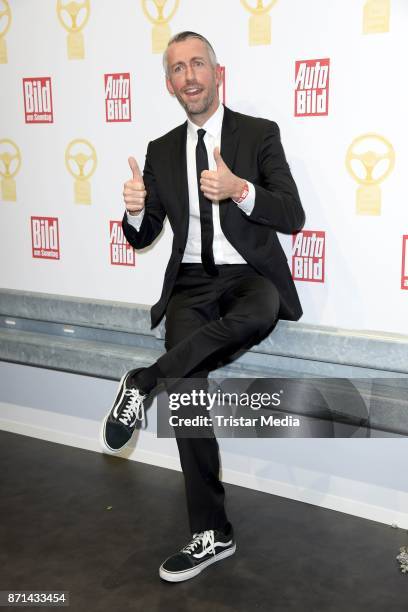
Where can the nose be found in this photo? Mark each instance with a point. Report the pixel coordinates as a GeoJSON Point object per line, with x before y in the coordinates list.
{"type": "Point", "coordinates": [189, 74]}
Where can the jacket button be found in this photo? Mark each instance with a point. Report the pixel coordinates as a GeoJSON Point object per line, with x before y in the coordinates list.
{"type": "Point", "coordinates": [180, 251]}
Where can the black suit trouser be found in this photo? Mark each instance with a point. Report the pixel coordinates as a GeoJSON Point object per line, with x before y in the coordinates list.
{"type": "Point", "coordinates": [208, 320]}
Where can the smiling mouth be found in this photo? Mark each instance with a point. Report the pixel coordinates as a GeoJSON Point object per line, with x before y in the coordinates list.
{"type": "Point", "coordinates": [191, 92]}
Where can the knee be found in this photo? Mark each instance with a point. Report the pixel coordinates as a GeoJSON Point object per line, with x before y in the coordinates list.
{"type": "Point", "coordinates": [263, 322]}
{"type": "Point", "coordinates": [264, 317]}
{"type": "Point", "coordinates": [266, 313]}
{"type": "Point", "coordinates": [256, 323]}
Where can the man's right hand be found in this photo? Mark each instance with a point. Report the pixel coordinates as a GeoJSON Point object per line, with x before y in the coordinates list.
{"type": "Point", "coordinates": [134, 192]}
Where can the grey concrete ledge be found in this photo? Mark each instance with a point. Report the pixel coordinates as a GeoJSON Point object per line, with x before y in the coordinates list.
{"type": "Point", "coordinates": [105, 339]}
{"type": "Point", "coordinates": [120, 316]}
{"type": "Point", "coordinates": [331, 349]}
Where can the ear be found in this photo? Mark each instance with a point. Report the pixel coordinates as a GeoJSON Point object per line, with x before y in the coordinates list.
{"type": "Point", "coordinates": [218, 75]}
{"type": "Point", "coordinates": [169, 87]}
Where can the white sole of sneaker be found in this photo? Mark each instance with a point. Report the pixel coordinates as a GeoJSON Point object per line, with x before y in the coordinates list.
{"type": "Point", "coordinates": [102, 441]}
{"type": "Point", "coordinates": [104, 445]}
{"type": "Point", "coordinates": [194, 571]}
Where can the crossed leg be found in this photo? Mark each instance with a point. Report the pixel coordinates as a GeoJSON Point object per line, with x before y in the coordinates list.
{"type": "Point", "coordinates": [203, 327]}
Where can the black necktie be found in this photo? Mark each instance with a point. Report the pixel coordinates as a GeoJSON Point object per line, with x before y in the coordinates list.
{"type": "Point", "coordinates": [206, 215]}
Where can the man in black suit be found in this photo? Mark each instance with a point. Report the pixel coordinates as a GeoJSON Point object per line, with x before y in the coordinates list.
{"type": "Point", "coordinates": [222, 180]}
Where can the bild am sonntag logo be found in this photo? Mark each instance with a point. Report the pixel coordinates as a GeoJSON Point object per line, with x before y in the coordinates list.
{"type": "Point", "coordinates": [38, 100]}
{"type": "Point", "coordinates": [45, 237]}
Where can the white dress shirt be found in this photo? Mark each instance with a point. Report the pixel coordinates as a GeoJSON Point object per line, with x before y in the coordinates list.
{"type": "Point", "coordinates": [224, 252]}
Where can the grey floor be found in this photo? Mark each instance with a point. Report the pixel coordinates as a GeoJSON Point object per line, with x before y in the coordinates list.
{"type": "Point", "coordinates": [57, 534]}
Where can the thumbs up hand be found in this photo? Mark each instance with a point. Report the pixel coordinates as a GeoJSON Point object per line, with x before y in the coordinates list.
{"type": "Point", "coordinates": [218, 160]}
{"type": "Point", "coordinates": [134, 192]}
{"type": "Point", "coordinates": [222, 183]}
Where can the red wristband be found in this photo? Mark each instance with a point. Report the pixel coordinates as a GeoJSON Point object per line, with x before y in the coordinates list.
{"type": "Point", "coordinates": [244, 194]}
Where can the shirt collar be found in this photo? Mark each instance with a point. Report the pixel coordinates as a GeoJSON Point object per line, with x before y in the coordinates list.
{"type": "Point", "coordinates": [213, 125]}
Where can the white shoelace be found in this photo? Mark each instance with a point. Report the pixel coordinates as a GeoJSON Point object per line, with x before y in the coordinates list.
{"type": "Point", "coordinates": [134, 409]}
{"type": "Point", "coordinates": [204, 537]}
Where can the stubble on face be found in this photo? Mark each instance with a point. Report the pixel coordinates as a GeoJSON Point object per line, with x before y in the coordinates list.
{"type": "Point", "coordinates": [201, 106]}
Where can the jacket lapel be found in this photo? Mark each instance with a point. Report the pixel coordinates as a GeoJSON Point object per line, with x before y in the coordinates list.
{"type": "Point", "coordinates": [179, 165]}
{"type": "Point", "coordinates": [229, 146]}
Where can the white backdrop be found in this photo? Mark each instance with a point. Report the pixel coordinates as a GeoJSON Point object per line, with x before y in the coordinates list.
{"type": "Point", "coordinates": [368, 93]}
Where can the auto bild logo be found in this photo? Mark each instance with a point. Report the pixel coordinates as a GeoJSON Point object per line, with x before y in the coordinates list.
{"type": "Point", "coordinates": [45, 237]}
{"type": "Point", "coordinates": [308, 256]}
{"type": "Point", "coordinates": [404, 270]}
{"type": "Point", "coordinates": [121, 253]}
{"type": "Point", "coordinates": [38, 100]}
{"type": "Point", "coordinates": [312, 88]}
{"type": "Point", "coordinates": [117, 97]}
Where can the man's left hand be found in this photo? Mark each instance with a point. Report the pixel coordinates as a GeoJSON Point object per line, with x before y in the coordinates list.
{"type": "Point", "coordinates": [221, 183]}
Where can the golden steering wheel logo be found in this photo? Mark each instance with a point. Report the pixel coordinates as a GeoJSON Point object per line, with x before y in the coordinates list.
{"type": "Point", "coordinates": [369, 159]}
{"type": "Point", "coordinates": [81, 166]}
{"type": "Point", "coordinates": [260, 28]}
{"type": "Point", "coordinates": [78, 15]}
{"type": "Point", "coordinates": [5, 11]}
{"type": "Point", "coordinates": [10, 162]}
{"type": "Point", "coordinates": [161, 32]}
{"type": "Point", "coordinates": [376, 16]}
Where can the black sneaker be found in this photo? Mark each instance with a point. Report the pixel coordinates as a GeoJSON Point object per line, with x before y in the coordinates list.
{"type": "Point", "coordinates": [205, 548]}
{"type": "Point", "coordinates": [120, 422]}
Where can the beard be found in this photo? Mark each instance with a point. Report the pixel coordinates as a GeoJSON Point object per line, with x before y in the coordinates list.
{"type": "Point", "coordinates": [200, 106]}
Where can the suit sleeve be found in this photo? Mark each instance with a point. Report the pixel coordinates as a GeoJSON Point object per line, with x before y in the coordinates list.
{"type": "Point", "coordinates": [135, 220]}
{"type": "Point", "coordinates": [277, 201]}
{"type": "Point", "coordinates": [154, 212]}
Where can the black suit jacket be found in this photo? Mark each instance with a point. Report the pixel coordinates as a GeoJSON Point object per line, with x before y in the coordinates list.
{"type": "Point", "coordinates": [251, 148]}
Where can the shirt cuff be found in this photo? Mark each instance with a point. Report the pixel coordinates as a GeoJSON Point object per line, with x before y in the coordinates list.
{"type": "Point", "coordinates": [247, 205]}
{"type": "Point", "coordinates": [135, 220]}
